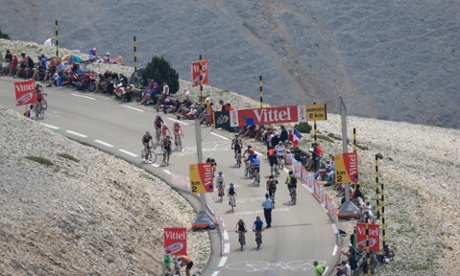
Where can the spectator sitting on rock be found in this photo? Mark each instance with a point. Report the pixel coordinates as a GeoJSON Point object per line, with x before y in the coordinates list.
{"type": "Point", "coordinates": [92, 54]}
{"type": "Point", "coordinates": [41, 67]}
{"type": "Point", "coordinates": [107, 58]}
{"type": "Point", "coordinates": [123, 80]}
{"type": "Point", "coordinates": [7, 63]}
{"type": "Point", "coordinates": [51, 69]}
{"type": "Point", "coordinates": [30, 66]}
{"type": "Point", "coordinates": [184, 107]}
{"type": "Point", "coordinates": [191, 114]}
{"type": "Point", "coordinates": [49, 42]}
{"type": "Point", "coordinates": [22, 64]}
{"type": "Point", "coordinates": [14, 64]}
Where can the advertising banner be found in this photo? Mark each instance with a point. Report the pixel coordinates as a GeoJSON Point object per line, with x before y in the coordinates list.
{"type": "Point", "coordinates": [25, 92]}
{"type": "Point", "coordinates": [346, 167]}
{"type": "Point", "coordinates": [374, 237]}
{"type": "Point", "coordinates": [175, 241]}
{"type": "Point", "coordinates": [201, 180]}
{"type": "Point", "coordinates": [196, 72]}
{"type": "Point", "coordinates": [266, 116]}
{"type": "Point", "coordinates": [221, 120]}
{"type": "Point", "coordinates": [316, 112]}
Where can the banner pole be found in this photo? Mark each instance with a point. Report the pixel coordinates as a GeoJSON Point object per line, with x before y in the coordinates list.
{"type": "Point", "coordinates": [377, 185]}
{"type": "Point", "coordinates": [260, 92]}
{"type": "Point", "coordinates": [368, 253]}
{"type": "Point", "coordinates": [135, 63]}
{"type": "Point", "coordinates": [201, 81]}
{"type": "Point", "coordinates": [56, 27]}
{"type": "Point", "coordinates": [382, 192]}
{"type": "Point", "coordinates": [315, 140]}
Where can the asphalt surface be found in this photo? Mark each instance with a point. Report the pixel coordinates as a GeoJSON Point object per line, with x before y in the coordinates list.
{"type": "Point", "coordinates": [299, 234]}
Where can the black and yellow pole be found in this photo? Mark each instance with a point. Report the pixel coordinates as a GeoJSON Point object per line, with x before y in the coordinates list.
{"type": "Point", "coordinates": [368, 253]}
{"type": "Point", "coordinates": [261, 93]}
{"type": "Point", "coordinates": [314, 130]}
{"type": "Point", "coordinates": [56, 27]}
{"type": "Point", "coordinates": [201, 81]}
{"type": "Point", "coordinates": [382, 193]}
{"type": "Point", "coordinates": [354, 139]}
{"type": "Point", "coordinates": [377, 193]}
{"type": "Point", "coordinates": [135, 62]}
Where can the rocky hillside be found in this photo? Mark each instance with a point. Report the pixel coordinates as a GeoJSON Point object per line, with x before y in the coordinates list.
{"type": "Point", "coordinates": [392, 60]}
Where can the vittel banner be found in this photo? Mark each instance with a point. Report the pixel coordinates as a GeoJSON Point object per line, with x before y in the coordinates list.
{"type": "Point", "coordinates": [269, 115]}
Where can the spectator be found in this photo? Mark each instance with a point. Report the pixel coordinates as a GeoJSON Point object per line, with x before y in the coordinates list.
{"type": "Point", "coordinates": [14, 64]}
{"type": "Point", "coordinates": [346, 268]}
{"type": "Point", "coordinates": [184, 107]}
{"type": "Point", "coordinates": [92, 54]}
{"type": "Point", "coordinates": [41, 67]}
{"type": "Point", "coordinates": [57, 81]}
{"type": "Point", "coordinates": [22, 64]}
{"type": "Point", "coordinates": [50, 42]}
{"type": "Point", "coordinates": [222, 105]}
{"type": "Point", "coordinates": [284, 135]}
{"type": "Point", "coordinates": [7, 63]}
{"type": "Point", "coordinates": [289, 157]}
{"type": "Point", "coordinates": [51, 69]}
{"type": "Point", "coordinates": [275, 139]}
{"type": "Point", "coordinates": [107, 58]}
{"type": "Point", "coordinates": [229, 107]}
{"type": "Point", "coordinates": [208, 111]}
{"type": "Point", "coordinates": [192, 113]}
{"type": "Point", "coordinates": [164, 94]}
{"type": "Point", "coordinates": [291, 136]}
{"type": "Point", "coordinates": [123, 80]}
{"type": "Point", "coordinates": [187, 94]}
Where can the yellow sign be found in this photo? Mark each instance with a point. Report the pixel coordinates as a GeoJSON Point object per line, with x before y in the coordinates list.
{"type": "Point", "coordinates": [346, 167]}
{"type": "Point", "coordinates": [201, 178]}
{"type": "Point", "coordinates": [316, 112]}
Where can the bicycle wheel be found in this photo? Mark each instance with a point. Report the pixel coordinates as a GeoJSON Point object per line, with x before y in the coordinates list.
{"type": "Point", "coordinates": [41, 113]}
{"type": "Point", "coordinates": [241, 243]}
{"type": "Point", "coordinates": [257, 180]}
{"type": "Point", "coordinates": [143, 155]}
{"type": "Point", "coordinates": [153, 157]}
{"type": "Point", "coordinates": [44, 103]}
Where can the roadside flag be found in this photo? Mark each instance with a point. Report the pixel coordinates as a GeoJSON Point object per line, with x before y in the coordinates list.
{"type": "Point", "coordinates": [296, 137]}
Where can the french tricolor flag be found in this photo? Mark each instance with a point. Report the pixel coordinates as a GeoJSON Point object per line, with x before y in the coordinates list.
{"type": "Point", "coordinates": [296, 137]}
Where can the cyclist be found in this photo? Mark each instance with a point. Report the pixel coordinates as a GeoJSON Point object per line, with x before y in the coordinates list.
{"type": "Point", "coordinates": [255, 164]}
{"type": "Point", "coordinates": [166, 149]}
{"type": "Point", "coordinates": [271, 187]}
{"type": "Point", "coordinates": [165, 130]}
{"type": "Point", "coordinates": [146, 139]}
{"type": "Point", "coordinates": [220, 183]}
{"type": "Point", "coordinates": [39, 91]}
{"type": "Point", "coordinates": [291, 182]}
{"type": "Point", "coordinates": [177, 132]}
{"type": "Point", "coordinates": [257, 227]}
{"type": "Point", "coordinates": [237, 144]}
{"type": "Point", "coordinates": [232, 194]}
{"type": "Point", "coordinates": [240, 227]}
{"type": "Point", "coordinates": [272, 160]}
{"type": "Point", "coordinates": [158, 124]}
{"type": "Point", "coordinates": [213, 162]}
{"type": "Point", "coordinates": [280, 151]}
{"type": "Point", "coordinates": [250, 152]}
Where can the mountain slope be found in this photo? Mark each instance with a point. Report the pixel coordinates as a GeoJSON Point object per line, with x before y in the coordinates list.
{"type": "Point", "coordinates": [393, 60]}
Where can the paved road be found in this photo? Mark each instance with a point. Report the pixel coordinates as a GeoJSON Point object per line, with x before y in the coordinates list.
{"type": "Point", "coordinates": [300, 233]}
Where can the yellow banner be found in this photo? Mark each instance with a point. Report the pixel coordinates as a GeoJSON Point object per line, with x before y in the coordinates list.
{"type": "Point", "coordinates": [201, 178]}
{"type": "Point", "coordinates": [346, 168]}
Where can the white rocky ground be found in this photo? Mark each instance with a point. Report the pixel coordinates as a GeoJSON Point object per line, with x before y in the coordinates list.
{"type": "Point", "coordinates": [69, 216]}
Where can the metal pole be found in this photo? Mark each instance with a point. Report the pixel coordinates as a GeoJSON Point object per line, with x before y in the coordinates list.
{"type": "Point", "coordinates": [199, 149]}
{"type": "Point", "coordinates": [383, 216]}
{"type": "Point", "coordinates": [56, 26]}
{"type": "Point", "coordinates": [377, 185]}
{"type": "Point", "coordinates": [368, 253]}
{"type": "Point", "coordinates": [343, 113]}
{"type": "Point", "coordinates": [135, 62]}
{"type": "Point", "coordinates": [260, 92]}
{"type": "Point", "coordinates": [201, 82]}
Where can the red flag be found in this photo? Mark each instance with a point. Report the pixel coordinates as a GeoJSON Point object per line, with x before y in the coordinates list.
{"type": "Point", "coordinates": [196, 72]}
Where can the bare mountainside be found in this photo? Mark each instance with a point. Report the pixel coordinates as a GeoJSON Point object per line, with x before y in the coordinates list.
{"type": "Point", "coordinates": [391, 60]}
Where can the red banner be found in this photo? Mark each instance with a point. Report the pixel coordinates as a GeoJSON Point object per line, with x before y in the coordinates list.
{"type": "Point", "coordinates": [25, 92]}
{"type": "Point", "coordinates": [175, 241]}
{"type": "Point", "coordinates": [374, 236]}
{"type": "Point", "coordinates": [196, 72]}
{"type": "Point", "coordinates": [269, 115]}
{"type": "Point", "coordinates": [346, 167]}
{"type": "Point", "coordinates": [201, 178]}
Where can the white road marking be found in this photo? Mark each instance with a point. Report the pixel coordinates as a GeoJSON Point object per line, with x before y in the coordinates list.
{"type": "Point", "coordinates": [178, 121]}
{"type": "Point", "coordinates": [324, 273]}
{"type": "Point", "coordinates": [50, 126]}
{"type": "Point", "coordinates": [155, 165]}
{"type": "Point", "coordinates": [128, 153]}
{"type": "Point", "coordinates": [215, 134]}
{"type": "Point", "coordinates": [258, 153]}
{"type": "Point", "coordinates": [81, 96]}
{"type": "Point", "coordinates": [222, 262]}
{"type": "Point", "coordinates": [167, 172]}
{"type": "Point", "coordinates": [226, 249]}
{"type": "Point", "coordinates": [226, 235]}
{"type": "Point", "coordinates": [104, 143]}
{"type": "Point", "coordinates": [260, 211]}
{"type": "Point", "coordinates": [76, 133]}
{"type": "Point", "coordinates": [335, 250]}
{"type": "Point", "coordinates": [334, 229]}
{"type": "Point", "coordinates": [286, 170]}
{"type": "Point", "coordinates": [133, 108]}
{"type": "Point", "coordinates": [215, 273]}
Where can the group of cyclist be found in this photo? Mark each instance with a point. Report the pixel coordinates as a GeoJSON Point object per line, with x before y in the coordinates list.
{"type": "Point", "coordinates": [163, 138]}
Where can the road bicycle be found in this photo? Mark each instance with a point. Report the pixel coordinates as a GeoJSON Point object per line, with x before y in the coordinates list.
{"type": "Point", "coordinates": [163, 161]}
{"type": "Point", "coordinates": [272, 197]}
{"type": "Point", "coordinates": [149, 156]}
{"type": "Point", "coordinates": [41, 109]}
{"type": "Point", "coordinates": [256, 177]}
{"type": "Point", "coordinates": [221, 192]}
{"type": "Point", "coordinates": [238, 159]}
{"type": "Point", "coordinates": [43, 102]}
{"type": "Point", "coordinates": [258, 238]}
{"type": "Point", "coordinates": [249, 170]}
{"type": "Point", "coordinates": [232, 203]}
{"type": "Point", "coordinates": [158, 136]}
{"type": "Point", "coordinates": [178, 142]}
{"type": "Point", "coordinates": [242, 239]}
{"type": "Point", "coordinates": [275, 171]}
{"type": "Point", "coordinates": [293, 195]}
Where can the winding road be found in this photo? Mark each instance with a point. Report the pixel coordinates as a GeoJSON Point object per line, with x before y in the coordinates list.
{"type": "Point", "coordinates": [299, 234]}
